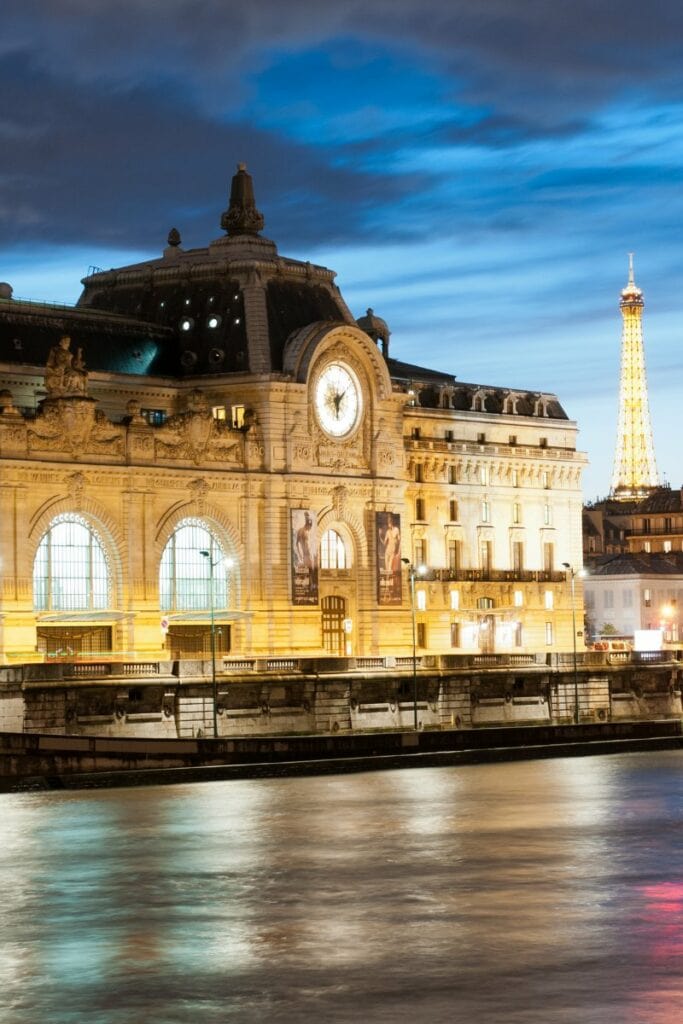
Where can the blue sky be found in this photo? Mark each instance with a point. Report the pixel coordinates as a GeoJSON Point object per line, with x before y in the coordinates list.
{"type": "Point", "coordinates": [475, 170]}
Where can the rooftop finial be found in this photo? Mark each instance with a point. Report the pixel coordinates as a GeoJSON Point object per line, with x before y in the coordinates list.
{"type": "Point", "coordinates": [242, 217]}
{"type": "Point", "coordinates": [631, 294]}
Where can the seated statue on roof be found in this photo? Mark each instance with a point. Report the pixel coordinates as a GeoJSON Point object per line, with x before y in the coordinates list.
{"type": "Point", "coordinates": [65, 373]}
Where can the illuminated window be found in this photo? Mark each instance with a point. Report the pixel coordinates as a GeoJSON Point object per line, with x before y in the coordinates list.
{"type": "Point", "coordinates": [185, 574]}
{"type": "Point", "coordinates": [483, 475]}
{"type": "Point", "coordinates": [518, 598]}
{"type": "Point", "coordinates": [549, 600]}
{"type": "Point", "coordinates": [548, 632]}
{"type": "Point", "coordinates": [547, 515]}
{"type": "Point", "coordinates": [484, 603]}
{"type": "Point", "coordinates": [70, 571]}
{"type": "Point", "coordinates": [332, 551]}
{"type": "Point", "coordinates": [218, 412]}
{"type": "Point", "coordinates": [238, 416]}
{"type": "Point", "coordinates": [155, 417]}
{"type": "Point", "coordinates": [421, 598]}
{"type": "Point", "coordinates": [647, 597]}
{"type": "Point", "coordinates": [455, 600]}
{"type": "Point", "coordinates": [545, 479]}
{"type": "Point", "coordinates": [485, 511]}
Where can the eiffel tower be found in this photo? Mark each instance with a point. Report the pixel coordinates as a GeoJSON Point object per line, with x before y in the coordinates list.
{"type": "Point", "coordinates": [635, 468]}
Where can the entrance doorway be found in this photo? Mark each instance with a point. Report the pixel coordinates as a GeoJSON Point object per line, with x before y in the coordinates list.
{"type": "Point", "coordinates": [333, 615]}
{"type": "Point", "coordinates": [194, 642]}
{"type": "Point", "coordinates": [65, 643]}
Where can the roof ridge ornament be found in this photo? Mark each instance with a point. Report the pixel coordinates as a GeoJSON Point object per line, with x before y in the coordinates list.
{"type": "Point", "coordinates": [242, 217]}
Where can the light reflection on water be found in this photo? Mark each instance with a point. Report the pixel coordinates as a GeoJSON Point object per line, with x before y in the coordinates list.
{"type": "Point", "coordinates": [546, 891]}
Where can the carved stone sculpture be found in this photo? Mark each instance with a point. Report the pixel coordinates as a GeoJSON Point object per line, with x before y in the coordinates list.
{"type": "Point", "coordinates": [65, 373]}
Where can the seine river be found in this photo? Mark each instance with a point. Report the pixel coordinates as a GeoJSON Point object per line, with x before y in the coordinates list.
{"type": "Point", "coordinates": [545, 891]}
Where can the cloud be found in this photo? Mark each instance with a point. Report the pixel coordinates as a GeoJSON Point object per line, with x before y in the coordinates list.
{"type": "Point", "coordinates": [122, 167]}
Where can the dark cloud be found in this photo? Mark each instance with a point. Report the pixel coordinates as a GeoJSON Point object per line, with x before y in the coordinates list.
{"type": "Point", "coordinates": [548, 55]}
{"type": "Point", "coordinates": [118, 167]}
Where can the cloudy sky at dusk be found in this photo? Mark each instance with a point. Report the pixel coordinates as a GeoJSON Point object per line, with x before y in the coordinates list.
{"type": "Point", "coordinates": [475, 170]}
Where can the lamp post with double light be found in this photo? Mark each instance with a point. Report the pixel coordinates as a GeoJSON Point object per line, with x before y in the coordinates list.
{"type": "Point", "coordinates": [412, 572]}
{"type": "Point", "coordinates": [571, 573]}
{"type": "Point", "coordinates": [212, 612]}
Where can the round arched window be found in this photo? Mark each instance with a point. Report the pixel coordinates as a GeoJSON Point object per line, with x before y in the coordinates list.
{"type": "Point", "coordinates": [70, 570]}
{"type": "Point", "coordinates": [185, 573]}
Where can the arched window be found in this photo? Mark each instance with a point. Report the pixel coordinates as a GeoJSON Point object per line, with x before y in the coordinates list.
{"type": "Point", "coordinates": [185, 573]}
{"type": "Point", "coordinates": [70, 571]}
{"type": "Point", "coordinates": [332, 551]}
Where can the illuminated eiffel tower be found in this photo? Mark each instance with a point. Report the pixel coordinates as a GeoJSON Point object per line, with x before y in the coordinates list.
{"type": "Point", "coordinates": [635, 468]}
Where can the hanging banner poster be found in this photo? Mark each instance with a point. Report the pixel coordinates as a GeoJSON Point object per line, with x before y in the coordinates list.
{"type": "Point", "coordinates": [304, 556]}
{"type": "Point", "coordinates": [388, 525]}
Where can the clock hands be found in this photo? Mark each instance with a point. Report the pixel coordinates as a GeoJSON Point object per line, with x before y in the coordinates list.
{"type": "Point", "coordinates": [337, 398]}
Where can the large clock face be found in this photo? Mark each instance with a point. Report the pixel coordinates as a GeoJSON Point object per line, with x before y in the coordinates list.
{"type": "Point", "coordinates": [338, 399]}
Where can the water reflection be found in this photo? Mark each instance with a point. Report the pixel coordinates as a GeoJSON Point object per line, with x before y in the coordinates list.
{"type": "Point", "coordinates": [541, 891]}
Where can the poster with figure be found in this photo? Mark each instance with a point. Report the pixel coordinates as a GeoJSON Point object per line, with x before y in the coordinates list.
{"type": "Point", "coordinates": [304, 556]}
{"type": "Point", "coordinates": [388, 525]}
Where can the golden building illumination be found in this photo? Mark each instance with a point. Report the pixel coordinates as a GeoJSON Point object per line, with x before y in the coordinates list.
{"type": "Point", "coordinates": [209, 455]}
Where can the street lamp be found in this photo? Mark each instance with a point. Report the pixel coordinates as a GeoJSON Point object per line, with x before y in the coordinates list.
{"type": "Point", "coordinates": [412, 572]}
{"type": "Point", "coordinates": [572, 575]}
{"type": "Point", "coordinates": [212, 565]}
{"type": "Point", "coordinates": [666, 623]}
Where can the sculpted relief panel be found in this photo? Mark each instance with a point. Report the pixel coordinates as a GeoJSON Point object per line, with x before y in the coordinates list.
{"type": "Point", "coordinates": [196, 435]}
{"type": "Point", "coordinates": [68, 423]}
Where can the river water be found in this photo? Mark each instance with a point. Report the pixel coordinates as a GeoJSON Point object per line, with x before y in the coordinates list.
{"type": "Point", "coordinates": [543, 891]}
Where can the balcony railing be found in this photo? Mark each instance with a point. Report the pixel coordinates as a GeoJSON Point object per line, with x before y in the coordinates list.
{"type": "Point", "coordinates": [665, 531]}
{"type": "Point", "coordinates": [495, 575]}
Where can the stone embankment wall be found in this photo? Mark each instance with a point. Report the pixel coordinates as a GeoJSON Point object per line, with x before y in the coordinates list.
{"type": "Point", "coordinates": [175, 700]}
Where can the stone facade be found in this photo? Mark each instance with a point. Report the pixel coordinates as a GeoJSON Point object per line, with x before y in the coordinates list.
{"type": "Point", "coordinates": [241, 434]}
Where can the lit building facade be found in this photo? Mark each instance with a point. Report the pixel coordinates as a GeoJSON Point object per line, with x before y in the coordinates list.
{"type": "Point", "coordinates": [212, 437]}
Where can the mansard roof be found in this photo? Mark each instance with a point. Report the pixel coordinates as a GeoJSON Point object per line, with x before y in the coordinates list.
{"type": "Point", "coordinates": [640, 564]}
{"type": "Point", "coordinates": [435, 389]}
{"type": "Point", "coordinates": [111, 342]}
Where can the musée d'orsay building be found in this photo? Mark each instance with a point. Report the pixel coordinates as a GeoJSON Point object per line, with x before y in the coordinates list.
{"type": "Point", "coordinates": [212, 431]}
